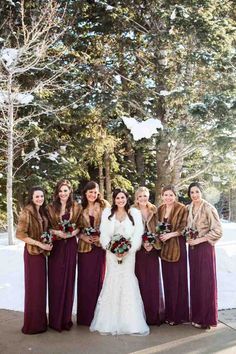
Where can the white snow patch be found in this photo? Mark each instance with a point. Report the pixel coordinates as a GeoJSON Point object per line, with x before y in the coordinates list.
{"type": "Point", "coordinates": [9, 56]}
{"type": "Point", "coordinates": [24, 98]}
{"type": "Point", "coordinates": [53, 156]}
{"type": "Point", "coordinates": [144, 129]}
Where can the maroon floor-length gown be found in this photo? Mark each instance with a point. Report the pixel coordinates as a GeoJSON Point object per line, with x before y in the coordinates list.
{"type": "Point", "coordinates": [147, 270]}
{"type": "Point", "coordinates": [91, 269]}
{"type": "Point", "coordinates": [175, 283]}
{"type": "Point", "coordinates": [61, 278]}
{"type": "Point", "coordinates": [35, 319]}
{"type": "Point", "coordinates": [203, 284]}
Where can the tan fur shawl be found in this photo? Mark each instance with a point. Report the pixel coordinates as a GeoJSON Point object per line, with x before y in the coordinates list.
{"type": "Point", "coordinates": [54, 218]}
{"type": "Point", "coordinates": [178, 219]}
{"type": "Point", "coordinates": [30, 226]}
{"type": "Point", "coordinates": [206, 221]}
{"type": "Point", "coordinates": [84, 222]}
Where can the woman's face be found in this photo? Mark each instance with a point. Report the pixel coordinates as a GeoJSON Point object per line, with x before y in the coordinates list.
{"type": "Point", "coordinates": [38, 198]}
{"type": "Point", "coordinates": [120, 200]}
{"type": "Point", "coordinates": [92, 195]}
{"type": "Point", "coordinates": [64, 193]}
{"type": "Point", "coordinates": [195, 194]}
{"type": "Point", "coordinates": [168, 197]}
{"type": "Point", "coordinates": [142, 198]}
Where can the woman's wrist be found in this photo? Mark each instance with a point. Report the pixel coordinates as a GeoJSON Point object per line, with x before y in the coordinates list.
{"type": "Point", "coordinates": [36, 243]}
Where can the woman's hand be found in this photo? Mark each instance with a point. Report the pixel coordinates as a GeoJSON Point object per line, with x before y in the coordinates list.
{"type": "Point", "coordinates": [85, 238]}
{"type": "Point", "coordinates": [121, 255]}
{"type": "Point", "coordinates": [148, 247]}
{"type": "Point", "coordinates": [95, 238]}
{"type": "Point", "coordinates": [61, 234]}
{"type": "Point", "coordinates": [165, 237]}
{"type": "Point", "coordinates": [45, 246]}
{"type": "Point", "coordinates": [75, 232]}
{"type": "Point", "coordinates": [197, 241]}
{"type": "Point", "coordinates": [58, 233]}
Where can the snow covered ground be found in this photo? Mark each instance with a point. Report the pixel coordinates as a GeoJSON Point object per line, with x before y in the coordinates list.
{"type": "Point", "coordinates": [12, 276]}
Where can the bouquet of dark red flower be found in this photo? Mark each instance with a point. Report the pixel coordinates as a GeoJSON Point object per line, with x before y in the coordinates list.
{"type": "Point", "coordinates": [48, 239]}
{"type": "Point", "coordinates": [149, 237]}
{"type": "Point", "coordinates": [90, 231]}
{"type": "Point", "coordinates": [190, 234]}
{"type": "Point", "coordinates": [163, 228]}
{"type": "Point", "coordinates": [67, 227]}
{"type": "Point", "coordinates": [119, 245]}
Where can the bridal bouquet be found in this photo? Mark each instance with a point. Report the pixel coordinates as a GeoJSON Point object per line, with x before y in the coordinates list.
{"type": "Point", "coordinates": [119, 245]}
{"type": "Point", "coordinates": [67, 227]}
{"type": "Point", "coordinates": [48, 239]}
{"type": "Point", "coordinates": [190, 234]}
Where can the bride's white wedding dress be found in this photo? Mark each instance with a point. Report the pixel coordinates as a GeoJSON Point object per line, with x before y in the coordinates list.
{"type": "Point", "coordinates": [120, 308]}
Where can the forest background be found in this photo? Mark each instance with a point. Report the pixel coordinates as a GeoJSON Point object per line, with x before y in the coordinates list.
{"type": "Point", "coordinates": [71, 70]}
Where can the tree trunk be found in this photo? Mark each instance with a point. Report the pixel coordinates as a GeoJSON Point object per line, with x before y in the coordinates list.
{"type": "Point", "coordinates": [101, 178]}
{"type": "Point", "coordinates": [176, 164]}
{"type": "Point", "coordinates": [139, 158]}
{"type": "Point", "coordinates": [10, 168]}
{"type": "Point", "coordinates": [232, 204]}
{"type": "Point", "coordinates": [108, 176]}
{"type": "Point", "coordinates": [163, 167]}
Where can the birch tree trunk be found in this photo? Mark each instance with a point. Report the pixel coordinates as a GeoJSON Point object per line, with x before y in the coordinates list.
{"type": "Point", "coordinates": [10, 165]}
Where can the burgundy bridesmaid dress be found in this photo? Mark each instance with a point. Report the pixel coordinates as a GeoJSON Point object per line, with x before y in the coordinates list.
{"type": "Point", "coordinates": [35, 319]}
{"type": "Point", "coordinates": [175, 281]}
{"type": "Point", "coordinates": [203, 284]}
{"type": "Point", "coordinates": [147, 270]}
{"type": "Point", "coordinates": [61, 282]}
{"type": "Point", "coordinates": [91, 270]}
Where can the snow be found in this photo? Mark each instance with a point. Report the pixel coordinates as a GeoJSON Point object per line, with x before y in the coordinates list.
{"type": "Point", "coordinates": [53, 156]}
{"type": "Point", "coordinates": [144, 129]}
{"type": "Point", "coordinates": [9, 56]}
{"type": "Point", "coordinates": [12, 271]}
{"type": "Point", "coordinates": [23, 98]}
{"type": "Point", "coordinates": [173, 15]}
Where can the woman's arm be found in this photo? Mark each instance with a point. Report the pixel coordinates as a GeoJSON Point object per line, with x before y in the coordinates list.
{"type": "Point", "coordinates": [22, 232]}
{"type": "Point", "coordinates": [105, 228]}
{"type": "Point", "coordinates": [138, 230]}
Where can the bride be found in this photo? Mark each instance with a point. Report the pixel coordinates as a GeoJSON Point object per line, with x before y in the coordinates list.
{"type": "Point", "coordinates": [120, 308]}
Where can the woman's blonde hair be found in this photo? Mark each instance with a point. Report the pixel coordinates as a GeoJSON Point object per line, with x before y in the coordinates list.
{"type": "Point", "coordinates": [139, 191]}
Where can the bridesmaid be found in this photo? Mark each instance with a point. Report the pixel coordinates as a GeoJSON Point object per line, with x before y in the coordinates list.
{"type": "Point", "coordinates": [174, 258]}
{"type": "Point", "coordinates": [31, 224]}
{"type": "Point", "coordinates": [204, 219]}
{"type": "Point", "coordinates": [147, 267]}
{"type": "Point", "coordinates": [91, 257]}
{"type": "Point", "coordinates": [62, 261]}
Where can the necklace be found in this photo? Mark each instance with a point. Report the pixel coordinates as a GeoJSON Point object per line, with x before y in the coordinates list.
{"type": "Point", "coordinates": [121, 217]}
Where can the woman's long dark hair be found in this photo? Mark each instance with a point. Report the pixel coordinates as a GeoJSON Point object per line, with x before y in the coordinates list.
{"type": "Point", "coordinates": [56, 199]}
{"type": "Point", "coordinates": [114, 207]}
{"type": "Point", "coordinates": [30, 200]}
{"type": "Point", "coordinates": [90, 185]}
{"type": "Point", "coordinates": [194, 184]}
